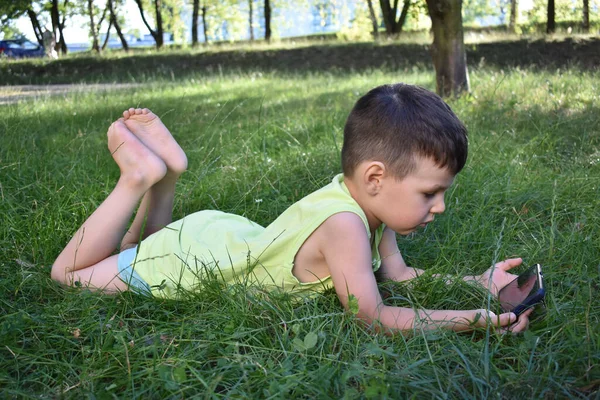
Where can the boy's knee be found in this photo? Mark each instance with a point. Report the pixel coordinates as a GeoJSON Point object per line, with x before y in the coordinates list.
{"type": "Point", "coordinates": [58, 273]}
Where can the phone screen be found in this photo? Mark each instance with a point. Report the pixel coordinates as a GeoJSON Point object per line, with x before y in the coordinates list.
{"type": "Point", "coordinates": [519, 290]}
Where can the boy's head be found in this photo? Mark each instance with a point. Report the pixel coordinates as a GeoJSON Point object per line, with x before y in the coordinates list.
{"type": "Point", "coordinates": [395, 124]}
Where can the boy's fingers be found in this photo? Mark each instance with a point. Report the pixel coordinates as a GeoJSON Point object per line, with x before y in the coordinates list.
{"type": "Point", "coordinates": [506, 319]}
{"type": "Point", "coordinates": [509, 263]}
{"type": "Point", "coordinates": [522, 324]}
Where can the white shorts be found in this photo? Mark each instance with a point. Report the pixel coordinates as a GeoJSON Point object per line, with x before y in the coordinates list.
{"type": "Point", "coordinates": [127, 272]}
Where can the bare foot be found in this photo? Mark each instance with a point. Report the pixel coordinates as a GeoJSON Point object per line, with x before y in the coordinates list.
{"type": "Point", "coordinates": [140, 167]}
{"type": "Point", "coordinates": [154, 134]}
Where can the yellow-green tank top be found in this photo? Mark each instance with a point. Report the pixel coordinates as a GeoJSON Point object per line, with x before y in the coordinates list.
{"type": "Point", "coordinates": [235, 249]}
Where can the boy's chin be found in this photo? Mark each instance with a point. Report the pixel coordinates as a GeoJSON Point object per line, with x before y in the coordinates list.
{"type": "Point", "coordinates": [406, 232]}
{"type": "Point", "coordinates": [417, 228]}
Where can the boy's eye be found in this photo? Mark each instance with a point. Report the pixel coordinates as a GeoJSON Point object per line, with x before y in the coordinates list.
{"type": "Point", "coordinates": [429, 195]}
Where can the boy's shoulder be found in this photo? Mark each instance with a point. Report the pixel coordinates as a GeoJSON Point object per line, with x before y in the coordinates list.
{"type": "Point", "coordinates": [328, 200]}
{"type": "Point", "coordinates": [340, 234]}
{"type": "Point", "coordinates": [344, 226]}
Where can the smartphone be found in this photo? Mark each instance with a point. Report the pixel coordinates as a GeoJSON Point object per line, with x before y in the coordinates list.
{"type": "Point", "coordinates": [524, 292]}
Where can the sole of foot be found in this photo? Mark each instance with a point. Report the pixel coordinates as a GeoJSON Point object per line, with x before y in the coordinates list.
{"type": "Point", "coordinates": [140, 167]}
{"type": "Point", "coordinates": [148, 128]}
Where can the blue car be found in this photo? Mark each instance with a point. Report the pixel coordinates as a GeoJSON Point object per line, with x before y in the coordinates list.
{"type": "Point", "coordinates": [19, 48]}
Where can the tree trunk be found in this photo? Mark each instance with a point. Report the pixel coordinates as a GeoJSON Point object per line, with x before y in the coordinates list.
{"type": "Point", "coordinates": [61, 25]}
{"type": "Point", "coordinates": [99, 24]}
{"type": "Point", "coordinates": [586, 16]}
{"type": "Point", "coordinates": [195, 12]}
{"type": "Point", "coordinates": [448, 48]}
{"type": "Point", "coordinates": [250, 12]}
{"type": "Point", "coordinates": [152, 31]}
{"type": "Point", "coordinates": [107, 33]}
{"type": "Point", "coordinates": [389, 15]}
{"type": "Point", "coordinates": [551, 23]}
{"type": "Point", "coordinates": [95, 45]}
{"type": "Point", "coordinates": [113, 19]}
{"type": "Point", "coordinates": [393, 27]}
{"type": "Point", "coordinates": [373, 20]}
{"type": "Point", "coordinates": [61, 45]}
{"type": "Point", "coordinates": [204, 26]}
{"type": "Point", "coordinates": [403, 15]}
{"type": "Point", "coordinates": [267, 20]}
{"type": "Point", "coordinates": [35, 23]}
{"type": "Point", "coordinates": [159, 25]}
{"type": "Point", "coordinates": [54, 17]}
{"type": "Point", "coordinates": [514, 9]}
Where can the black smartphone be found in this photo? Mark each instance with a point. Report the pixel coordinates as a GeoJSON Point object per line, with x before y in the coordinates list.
{"type": "Point", "coordinates": [524, 292]}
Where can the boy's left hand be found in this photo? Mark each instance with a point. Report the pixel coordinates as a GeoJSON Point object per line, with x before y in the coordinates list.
{"type": "Point", "coordinates": [497, 276]}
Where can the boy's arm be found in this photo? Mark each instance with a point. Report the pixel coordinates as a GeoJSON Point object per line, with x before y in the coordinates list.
{"type": "Point", "coordinates": [393, 266]}
{"type": "Point", "coordinates": [348, 255]}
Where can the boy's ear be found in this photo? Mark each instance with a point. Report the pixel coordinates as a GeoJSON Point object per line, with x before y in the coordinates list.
{"type": "Point", "coordinates": [373, 177]}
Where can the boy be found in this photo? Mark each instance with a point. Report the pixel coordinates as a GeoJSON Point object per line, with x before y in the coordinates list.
{"type": "Point", "coordinates": [402, 148]}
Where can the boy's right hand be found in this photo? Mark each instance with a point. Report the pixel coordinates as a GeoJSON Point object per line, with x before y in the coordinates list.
{"type": "Point", "coordinates": [506, 322]}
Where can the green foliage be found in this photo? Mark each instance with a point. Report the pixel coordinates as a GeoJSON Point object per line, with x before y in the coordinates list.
{"type": "Point", "coordinates": [474, 10]}
{"type": "Point", "coordinates": [359, 28]}
{"type": "Point", "coordinates": [172, 22]}
{"type": "Point", "coordinates": [170, 11]}
{"type": "Point", "coordinates": [565, 10]}
{"type": "Point", "coordinates": [12, 9]}
{"type": "Point", "coordinates": [418, 16]}
{"type": "Point", "coordinates": [9, 30]}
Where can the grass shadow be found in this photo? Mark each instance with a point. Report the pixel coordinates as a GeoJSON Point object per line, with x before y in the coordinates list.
{"type": "Point", "coordinates": [337, 57]}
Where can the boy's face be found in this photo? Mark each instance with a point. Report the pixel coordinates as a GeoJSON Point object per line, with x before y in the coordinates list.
{"type": "Point", "coordinates": [404, 205]}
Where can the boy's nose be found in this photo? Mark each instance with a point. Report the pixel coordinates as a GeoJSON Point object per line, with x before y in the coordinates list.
{"type": "Point", "coordinates": [439, 207]}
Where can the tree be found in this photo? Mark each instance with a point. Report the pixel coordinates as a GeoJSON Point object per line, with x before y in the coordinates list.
{"type": "Point", "coordinates": [35, 23]}
{"type": "Point", "coordinates": [195, 12]}
{"type": "Point", "coordinates": [107, 36]}
{"type": "Point", "coordinates": [267, 12]}
{"type": "Point", "coordinates": [13, 9]}
{"type": "Point", "coordinates": [114, 22]}
{"type": "Point", "coordinates": [389, 12]}
{"type": "Point", "coordinates": [373, 20]}
{"type": "Point", "coordinates": [196, 9]}
{"type": "Point", "coordinates": [586, 16]}
{"type": "Point", "coordinates": [92, 11]}
{"type": "Point", "coordinates": [157, 33]}
{"type": "Point", "coordinates": [448, 48]}
{"type": "Point", "coordinates": [551, 22]}
{"type": "Point", "coordinates": [514, 9]}
{"type": "Point", "coordinates": [57, 24]}
{"type": "Point", "coordinates": [250, 23]}
{"type": "Point", "coordinates": [204, 23]}
{"type": "Point", "coordinates": [93, 31]}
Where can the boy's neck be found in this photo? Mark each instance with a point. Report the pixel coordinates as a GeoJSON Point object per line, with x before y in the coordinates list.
{"type": "Point", "coordinates": [360, 196]}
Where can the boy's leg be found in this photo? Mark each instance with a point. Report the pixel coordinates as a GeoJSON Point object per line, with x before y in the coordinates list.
{"type": "Point", "coordinates": [155, 211]}
{"type": "Point", "coordinates": [86, 258]}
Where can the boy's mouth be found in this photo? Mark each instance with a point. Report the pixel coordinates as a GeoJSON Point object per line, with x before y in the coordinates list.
{"type": "Point", "coordinates": [424, 224]}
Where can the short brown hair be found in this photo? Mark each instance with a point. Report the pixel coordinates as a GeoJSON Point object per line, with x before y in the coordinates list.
{"type": "Point", "coordinates": [395, 123]}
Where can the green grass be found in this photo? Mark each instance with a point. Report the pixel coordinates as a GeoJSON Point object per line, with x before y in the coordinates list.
{"type": "Point", "coordinates": [530, 188]}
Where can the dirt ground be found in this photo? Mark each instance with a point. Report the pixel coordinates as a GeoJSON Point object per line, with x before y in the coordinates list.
{"type": "Point", "coordinates": [13, 94]}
